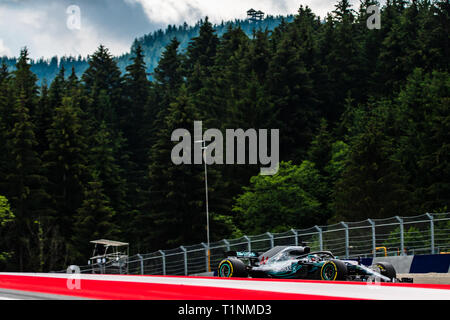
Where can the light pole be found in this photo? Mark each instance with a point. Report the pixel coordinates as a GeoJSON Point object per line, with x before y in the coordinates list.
{"type": "Point", "coordinates": [203, 142]}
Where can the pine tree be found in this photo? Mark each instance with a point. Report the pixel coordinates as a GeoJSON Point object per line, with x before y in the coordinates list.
{"type": "Point", "coordinates": [137, 90]}
{"type": "Point", "coordinates": [168, 73]}
{"type": "Point", "coordinates": [5, 116]}
{"type": "Point", "coordinates": [26, 186]}
{"type": "Point", "coordinates": [320, 150]}
{"type": "Point", "coordinates": [423, 121]}
{"type": "Point", "coordinates": [201, 54]}
{"type": "Point", "coordinates": [177, 192]}
{"type": "Point", "coordinates": [103, 84]}
{"type": "Point", "coordinates": [57, 89]}
{"type": "Point", "coordinates": [344, 61]}
{"type": "Point", "coordinates": [168, 80]}
{"type": "Point", "coordinates": [42, 118]}
{"type": "Point", "coordinates": [234, 97]}
{"type": "Point", "coordinates": [260, 54]}
{"type": "Point", "coordinates": [137, 128]}
{"type": "Point", "coordinates": [94, 219]}
{"type": "Point", "coordinates": [72, 81]}
{"type": "Point", "coordinates": [432, 42]}
{"type": "Point", "coordinates": [24, 81]}
{"type": "Point", "coordinates": [373, 183]}
{"type": "Point", "coordinates": [398, 48]}
{"type": "Point", "coordinates": [293, 96]}
{"type": "Point", "coordinates": [67, 167]}
{"type": "Point", "coordinates": [4, 73]}
{"type": "Point", "coordinates": [229, 43]}
{"type": "Point", "coordinates": [229, 77]}
{"type": "Point", "coordinates": [103, 160]}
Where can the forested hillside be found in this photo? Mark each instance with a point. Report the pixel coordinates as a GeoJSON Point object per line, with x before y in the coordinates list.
{"type": "Point", "coordinates": [364, 133]}
{"type": "Point", "coordinates": [152, 44]}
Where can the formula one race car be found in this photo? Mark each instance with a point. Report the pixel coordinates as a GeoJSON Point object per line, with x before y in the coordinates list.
{"type": "Point", "coordinates": [295, 262]}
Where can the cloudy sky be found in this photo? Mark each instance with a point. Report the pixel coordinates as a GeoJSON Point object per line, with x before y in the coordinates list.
{"type": "Point", "coordinates": [50, 27]}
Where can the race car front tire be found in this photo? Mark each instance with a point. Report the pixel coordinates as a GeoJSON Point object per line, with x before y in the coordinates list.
{"type": "Point", "coordinates": [232, 268]}
{"type": "Point", "coordinates": [387, 270]}
{"type": "Point", "coordinates": [333, 270]}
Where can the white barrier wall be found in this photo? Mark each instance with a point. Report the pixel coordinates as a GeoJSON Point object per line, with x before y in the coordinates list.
{"type": "Point", "coordinates": [401, 264]}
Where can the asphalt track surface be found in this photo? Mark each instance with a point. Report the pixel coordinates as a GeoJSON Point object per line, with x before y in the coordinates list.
{"type": "Point", "coordinates": [24, 295]}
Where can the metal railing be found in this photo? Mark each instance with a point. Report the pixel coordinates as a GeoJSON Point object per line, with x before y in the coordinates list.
{"type": "Point", "coordinates": [424, 234]}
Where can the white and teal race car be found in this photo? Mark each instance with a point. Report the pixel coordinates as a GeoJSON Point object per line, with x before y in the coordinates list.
{"type": "Point", "coordinates": [295, 262]}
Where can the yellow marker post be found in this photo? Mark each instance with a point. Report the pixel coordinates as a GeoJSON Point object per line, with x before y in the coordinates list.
{"type": "Point", "coordinates": [382, 248]}
{"type": "Point", "coordinates": [209, 260]}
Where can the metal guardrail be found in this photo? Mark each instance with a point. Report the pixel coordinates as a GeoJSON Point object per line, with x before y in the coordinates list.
{"type": "Point", "coordinates": [424, 234]}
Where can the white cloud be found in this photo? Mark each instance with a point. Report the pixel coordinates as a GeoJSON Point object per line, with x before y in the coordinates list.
{"type": "Point", "coordinates": [178, 11]}
{"type": "Point", "coordinates": [4, 51]}
{"type": "Point", "coordinates": [41, 25]}
{"type": "Point", "coordinates": [43, 29]}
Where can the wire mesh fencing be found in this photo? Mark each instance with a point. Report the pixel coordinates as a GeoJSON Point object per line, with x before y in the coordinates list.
{"type": "Point", "coordinates": [423, 234]}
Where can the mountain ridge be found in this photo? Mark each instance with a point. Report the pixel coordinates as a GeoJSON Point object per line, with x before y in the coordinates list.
{"type": "Point", "coordinates": [153, 44]}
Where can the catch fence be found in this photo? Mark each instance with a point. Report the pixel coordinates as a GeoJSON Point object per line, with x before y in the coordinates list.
{"type": "Point", "coordinates": [424, 234]}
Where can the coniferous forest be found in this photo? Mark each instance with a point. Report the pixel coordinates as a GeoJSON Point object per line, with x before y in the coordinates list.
{"type": "Point", "coordinates": [364, 120]}
{"type": "Point", "coordinates": [152, 44]}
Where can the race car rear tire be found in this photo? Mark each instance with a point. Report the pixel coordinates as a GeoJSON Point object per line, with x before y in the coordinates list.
{"type": "Point", "coordinates": [333, 270]}
{"type": "Point", "coordinates": [232, 268]}
{"type": "Point", "coordinates": [387, 269]}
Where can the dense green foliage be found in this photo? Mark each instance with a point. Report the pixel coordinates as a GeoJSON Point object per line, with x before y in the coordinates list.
{"type": "Point", "coordinates": [363, 117]}
{"type": "Point", "coordinates": [6, 218]}
{"type": "Point", "coordinates": [294, 196]}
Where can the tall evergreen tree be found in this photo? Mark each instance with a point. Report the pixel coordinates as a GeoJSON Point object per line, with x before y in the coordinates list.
{"type": "Point", "coordinates": [104, 161]}
{"type": "Point", "coordinates": [42, 118]}
{"type": "Point", "coordinates": [57, 89]}
{"type": "Point", "coordinates": [293, 96]}
{"type": "Point", "coordinates": [5, 116]}
{"type": "Point", "coordinates": [320, 150]}
{"type": "Point", "coordinates": [26, 185]}
{"type": "Point", "coordinates": [168, 80]}
{"type": "Point", "coordinates": [137, 128]}
{"type": "Point", "coordinates": [423, 119]}
{"type": "Point", "coordinates": [200, 56]}
{"type": "Point", "coordinates": [103, 83]}
{"type": "Point", "coordinates": [177, 192]}
{"type": "Point", "coordinates": [24, 81]}
{"type": "Point", "coordinates": [94, 219]}
{"type": "Point", "coordinates": [66, 162]}
{"type": "Point", "coordinates": [373, 184]}
{"type": "Point", "coordinates": [137, 91]}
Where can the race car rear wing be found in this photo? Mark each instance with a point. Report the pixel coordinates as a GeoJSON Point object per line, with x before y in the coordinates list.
{"type": "Point", "coordinates": [242, 254]}
{"type": "Point", "coordinates": [251, 256]}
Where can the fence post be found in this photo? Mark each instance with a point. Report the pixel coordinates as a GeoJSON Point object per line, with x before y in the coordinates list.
{"type": "Point", "coordinates": [347, 247]}
{"type": "Point", "coordinates": [141, 263]}
{"type": "Point", "coordinates": [271, 239]}
{"type": "Point", "coordinates": [163, 255]}
{"type": "Point", "coordinates": [206, 256]}
{"type": "Point", "coordinates": [185, 260]}
{"type": "Point", "coordinates": [431, 232]}
{"type": "Point", "coordinates": [402, 238]}
{"type": "Point", "coordinates": [296, 236]}
{"type": "Point", "coordinates": [249, 243]}
{"type": "Point", "coordinates": [227, 244]}
{"type": "Point", "coordinates": [374, 243]}
{"type": "Point", "coordinates": [320, 237]}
